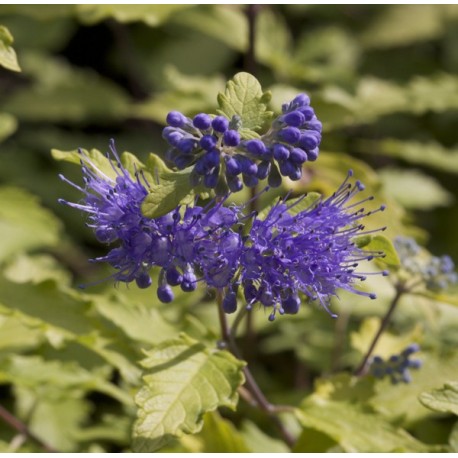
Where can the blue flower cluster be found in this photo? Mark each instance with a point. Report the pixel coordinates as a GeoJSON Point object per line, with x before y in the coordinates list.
{"type": "Point", "coordinates": [287, 253]}
{"type": "Point", "coordinates": [397, 366]}
{"type": "Point", "coordinates": [222, 159]}
{"type": "Point", "coordinates": [184, 243]}
{"type": "Point", "coordinates": [435, 273]}
{"type": "Point", "coordinates": [309, 252]}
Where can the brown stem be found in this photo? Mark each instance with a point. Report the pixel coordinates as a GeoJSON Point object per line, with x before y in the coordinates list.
{"type": "Point", "coordinates": [250, 59]}
{"type": "Point", "coordinates": [250, 66]}
{"type": "Point", "coordinates": [133, 72]}
{"type": "Point", "coordinates": [400, 290]}
{"type": "Point", "coordinates": [251, 385]}
{"type": "Point", "coordinates": [22, 428]}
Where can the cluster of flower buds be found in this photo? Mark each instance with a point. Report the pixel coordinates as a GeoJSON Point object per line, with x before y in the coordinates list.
{"type": "Point", "coordinates": [397, 366]}
{"type": "Point", "coordinates": [222, 159]}
{"type": "Point", "coordinates": [435, 273]}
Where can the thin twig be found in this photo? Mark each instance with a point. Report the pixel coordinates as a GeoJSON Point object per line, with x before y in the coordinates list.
{"type": "Point", "coordinates": [250, 60]}
{"type": "Point", "coordinates": [133, 72]}
{"type": "Point", "coordinates": [256, 396]}
{"type": "Point", "coordinates": [23, 429]}
{"type": "Point", "coordinates": [225, 332]}
{"type": "Point", "coordinates": [250, 383]}
{"type": "Point", "coordinates": [246, 395]}
{"type": "Point", "coordinates": [400, 290]}
{"type": "Point", "coordinates": [250, 66]}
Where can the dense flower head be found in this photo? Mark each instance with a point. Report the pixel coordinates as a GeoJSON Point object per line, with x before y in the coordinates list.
{"type": "Point", "coordinates": [289, 254]}
{"type": "Point", "coordinates": [188, 244]}
{"type": "Point", "coordinates": [223, 160]}
{"type": "Point", "coordinates": [310, 252]}
{"type": "Point", "coordinates": [396, 367]}
{"type": "Point", "coordinates": [434, 272]}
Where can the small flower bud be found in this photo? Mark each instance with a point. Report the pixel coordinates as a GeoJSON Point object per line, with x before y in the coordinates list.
{"type": "Point", "coordinates": [202, 121]}
{"type": "Point", "coordinates": [176, 119]}
{"type": "Point", "coordinates": [220, 124]}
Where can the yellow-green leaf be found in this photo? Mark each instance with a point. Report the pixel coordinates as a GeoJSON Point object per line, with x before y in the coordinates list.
{"type": "Point", "coordinates": [8, 57]}
{"type": "Point", "coordinates": [244, 97]}
{"type": "Point", "coordinates": [168, 189]}
{"type": "Point", "coordinates": [444, 399]}
{"type": "Point", "coordinates": [8, 125]}
{"type": "Point", "coordinates": [183, 379]}
{"type": "Point", "coordinates": [152, 15]}
{"type": "Point", "coordinates": [382, 243]}
{"type": "Point", "coordinates": [31, 227]}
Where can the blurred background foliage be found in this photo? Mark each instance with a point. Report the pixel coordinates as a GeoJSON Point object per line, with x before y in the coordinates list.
{"type": "Point", "coordinates": [383, 80]}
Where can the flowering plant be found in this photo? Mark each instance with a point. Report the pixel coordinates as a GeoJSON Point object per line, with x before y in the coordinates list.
{"type": "Point", "coordinates": [243, 268]}
{"type": "Point", "coordinates": [301, 250]}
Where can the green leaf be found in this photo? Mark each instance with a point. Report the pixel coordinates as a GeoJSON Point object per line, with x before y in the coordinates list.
{"type": "Point", "coordinates": [273, 40]}
{"type": "Point", "coordinates": [223, 23]}
{"type": "Point", "coordinates": [313, 441]}
{"type": "Point", "coordinates": [338, 408]}
{"type": "Point", "coordinates": [188, 93]}
{"type": "Point", "coordinates": [49, 378]}
{"type": "Point", "coordinates": [168, 189]}
{"type": "Point", "coordinates": [355, 430]}
{"type": "Point", "coordinates": [444, 399]}
{"type": "Point", "coordinates": [260, 442]}
{"type": "Point", "coordinates": [8, 57]}
{"type": "Point", "coordinates": [32, 227]}
{"type": "Point", "coordinates": [183, 380]}
{"type": "Point", "coordinates": [437, 93]}
{"type": "Point", "coordinates": [414, 189]}
{"type": "Point", "coordinates": [382, 243]}
{"type": "Point", "coordinates": [400, 402]}
{"type": "Point", "coordinates": [439, 297]}
{"type": "Point", "coordinates": [219, 435]}
{"type": "Point", "coordinates": [54, 419]}
{"type": "Point", "coordinates": [388, 344]}
{"type": "Point", "coordinates": [15, 336]}
{"type": "Point", "coordinates": [394, 25]}
{"type": "Point", "coordinates": [453, 439]}
{"type": "Point", "coordinates": [46, 13]}
{"type": "Point", "coordinates": [152, 15]}
{"type": "Point", "coordinates": [113, 427]}
{"type": "Point", "coordinates": [430, 154]}
{"type": "Point", "coordinates": [375, 97]}
{"type": "Point", "coordinates": [62, 93]}
{"type": "Point", "coordinates": [8, 125]}
{"type": "Point", "coordinates": [139, 322]}
{"type": "Point", "coordinates": [35, 269]}
{"type": "Point", "coordinates": [64, 316]}
{"type": "Point", "coordinates": [325, 54]}
{"type": "Point", "coordinates": [362, 240]}
{"type": "Point", "coordinates": [243, 97]}
{"type": "Point", "coordinates": [38, 33]}
{"type": "Point", "coordinates": [100, 163]}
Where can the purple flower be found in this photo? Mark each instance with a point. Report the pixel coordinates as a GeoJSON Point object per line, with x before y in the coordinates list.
{"type": "Point", "coordinates": [397, 366]}
{"type": "Point", "coordinates": [186, 243]}
{"type": "Point", "coordinates": [311, 252]}
{"type": "Point", "coordinates": [112, 203]}
{"type": "Point", "coordinates": [433, 272]}
{"type": "Point", "coordinates": [198, 242]}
